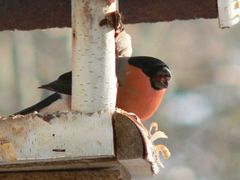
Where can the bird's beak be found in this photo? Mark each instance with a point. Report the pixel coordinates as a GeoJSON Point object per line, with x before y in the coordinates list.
{"type": "Point", "coordinates": [166, 73]}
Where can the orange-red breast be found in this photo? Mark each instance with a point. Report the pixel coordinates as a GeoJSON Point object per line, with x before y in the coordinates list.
{"type": "Point", "coordinates": [142, 82]}
{"type": "Point", "coordinates": [142, 85]}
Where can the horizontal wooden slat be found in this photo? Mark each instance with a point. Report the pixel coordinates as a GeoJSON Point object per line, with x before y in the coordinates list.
{"type": "Point", "coordinates": [59, 164]}
{"type": "Point", "coordinates": [97, 174]}
{"type": "Point", "coordinates": [41, 14]}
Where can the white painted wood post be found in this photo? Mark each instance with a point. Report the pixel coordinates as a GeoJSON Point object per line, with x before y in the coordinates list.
{"type": "Point", "coordinates": [93, 57]}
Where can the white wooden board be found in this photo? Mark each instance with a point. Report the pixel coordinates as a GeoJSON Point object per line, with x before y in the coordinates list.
{"type": "Point", "coordinates": [70, 135]}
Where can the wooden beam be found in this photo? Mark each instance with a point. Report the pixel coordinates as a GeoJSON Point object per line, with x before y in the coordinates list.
{"type": "Point", "coordinates": [72, 134]}
{"type": "Point", "coordinates": [128, 144]}
{"type": "Point", "coordinates": [98, 174]}
{"type": "Point", "coordinates": [129, 157]}
{"type": "Point", "coordinates": [54, 131]}
{"type": "Point", "coordinates": [41, 14]}
{"type": "Point", "coordinates": [137, 11]}
{"type": "Point", "coordinates": [58, 164]}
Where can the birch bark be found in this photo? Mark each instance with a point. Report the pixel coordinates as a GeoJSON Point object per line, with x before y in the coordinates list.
{"type": "Point", "coordinates": [93, 57]}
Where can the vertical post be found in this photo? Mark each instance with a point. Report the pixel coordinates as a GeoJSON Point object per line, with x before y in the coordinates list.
{"type": "Point", "coordinates": [93, 57]}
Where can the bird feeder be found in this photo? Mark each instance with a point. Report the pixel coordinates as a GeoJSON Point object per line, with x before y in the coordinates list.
{"type": "Point", "coordinates": [91, 141]}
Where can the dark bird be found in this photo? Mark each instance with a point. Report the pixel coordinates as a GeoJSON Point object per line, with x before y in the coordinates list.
{"type": "Point", "coordinates": [142, 82]}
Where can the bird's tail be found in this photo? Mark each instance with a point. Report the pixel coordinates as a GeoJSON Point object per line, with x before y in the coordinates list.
{"type": "Point", "coordinates": [42, 104]}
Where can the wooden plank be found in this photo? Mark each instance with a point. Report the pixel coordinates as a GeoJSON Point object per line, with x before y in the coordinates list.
{"type": "Point", "coordinates": [59, 164]}
{"type": "Point", "coordinates": [128, 163]}
{"type": "Point", "coordinates": [98, 168]}
{"type": "Point", "coordinates": [137, 167]}
{"type": "Point", "coordinates": [95, 174]}
{"type": "Point", "coordinates": [35, 14]}
{"type": "Point", "coordinates": [128, 141]}
{"type": "Point", "coordinates": [64, 134]}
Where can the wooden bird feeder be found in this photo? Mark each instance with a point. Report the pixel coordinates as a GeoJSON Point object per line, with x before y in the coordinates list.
{"type": "Point", "coordinates": [91, 142]}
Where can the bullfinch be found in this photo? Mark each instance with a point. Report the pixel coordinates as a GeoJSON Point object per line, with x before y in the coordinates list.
{"type": "Point", "coordinates": [142, 83]}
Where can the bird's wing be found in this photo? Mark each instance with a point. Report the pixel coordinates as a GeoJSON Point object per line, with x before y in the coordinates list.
{"type": "Point", "coordinates": [62, 85]}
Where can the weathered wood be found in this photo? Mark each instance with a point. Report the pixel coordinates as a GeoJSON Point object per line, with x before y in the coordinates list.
{"type": "Point", "coordinates": [58, 164]}
{"type": "Point", "coordinates": [40, 14]}
{"type": "Point", "coordinates": [136, 11]}
{"type": "Point", "coordinates": [99, 168]}
{"type": "Point", "coordinates": [95, 174]}
{"type": "Point", "coordinates": [64, 134]}
{"type": "Point", "coordinates": [137, 167]}
{"type": "Point", "coordinates": [34, 137]}
{"type": "Point", "coordinates": [128, 160]}
{"type": "Point", "coordinates": [128, 141]}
